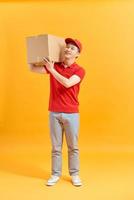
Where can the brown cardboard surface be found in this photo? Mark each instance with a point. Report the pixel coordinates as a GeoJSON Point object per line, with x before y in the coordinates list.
{"type": "Point", "coordinates": [44, 45]}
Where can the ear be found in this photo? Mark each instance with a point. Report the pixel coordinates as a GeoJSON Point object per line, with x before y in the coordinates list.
{"type": "Point", "coordinates": [77, 55]}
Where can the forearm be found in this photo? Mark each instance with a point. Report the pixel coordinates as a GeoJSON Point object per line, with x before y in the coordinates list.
{"type": "Point", "coordinates": [63, 80]}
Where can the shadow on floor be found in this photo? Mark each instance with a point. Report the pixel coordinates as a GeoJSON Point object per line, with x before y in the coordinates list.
{"type": "Point", "coordinates": [25, 167]}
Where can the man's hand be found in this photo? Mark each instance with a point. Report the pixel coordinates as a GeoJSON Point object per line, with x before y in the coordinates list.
{"type": "Point", "coordinates": [74, 79]}
{"type": "Point", "coordinates": [49, 64]}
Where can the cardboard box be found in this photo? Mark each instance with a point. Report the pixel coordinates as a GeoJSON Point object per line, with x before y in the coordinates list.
{"type": "Point", "coordinates": [46, 45]}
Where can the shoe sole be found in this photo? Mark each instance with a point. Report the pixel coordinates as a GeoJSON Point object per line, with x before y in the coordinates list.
{"type": "Point", "coordinates": [77, 184]}
{"type": "Point", "coordinates": [51, 184]}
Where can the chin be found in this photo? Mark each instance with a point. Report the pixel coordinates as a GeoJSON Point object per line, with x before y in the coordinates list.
{"type": "Point", "coordinates": [67, 56]}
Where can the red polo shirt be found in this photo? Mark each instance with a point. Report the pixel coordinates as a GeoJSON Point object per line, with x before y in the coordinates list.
{"type": "Point", "coordinates": [64, 99]}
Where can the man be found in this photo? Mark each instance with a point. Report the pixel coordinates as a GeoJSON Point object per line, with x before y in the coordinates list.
{"type": "Point", "coordinates": [65, 79]}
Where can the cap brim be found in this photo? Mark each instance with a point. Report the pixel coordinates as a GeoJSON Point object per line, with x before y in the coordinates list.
{"type": "Point", "coordinates": [70, 40]}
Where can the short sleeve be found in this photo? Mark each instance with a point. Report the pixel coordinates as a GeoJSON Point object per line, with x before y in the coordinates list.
{"type": "Point", "coordinates": [46, 69]}
{"type": "Point", "coordinates": [80, 72]}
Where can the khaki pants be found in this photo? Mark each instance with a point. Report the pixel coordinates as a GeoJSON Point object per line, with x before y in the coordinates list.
{"type": "Point", "coordinates": [67, 123]}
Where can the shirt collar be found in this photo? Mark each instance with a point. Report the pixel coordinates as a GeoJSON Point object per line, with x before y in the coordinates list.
{"type": "Point", "coordinates": [70, 66]}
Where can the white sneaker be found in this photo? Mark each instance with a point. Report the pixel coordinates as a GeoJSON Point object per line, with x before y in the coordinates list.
{"type": "Point", "coordinates": [76, 180]}
{"type": "Point", "coordinates": [52, 180]}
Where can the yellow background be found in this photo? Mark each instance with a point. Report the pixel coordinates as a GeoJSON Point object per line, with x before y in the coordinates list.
{"type": "Point", "coordinates": [106, 30]}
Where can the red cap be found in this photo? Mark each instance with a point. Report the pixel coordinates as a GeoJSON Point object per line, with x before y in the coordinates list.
{"type": "Point", "coordinates": [75, 42]}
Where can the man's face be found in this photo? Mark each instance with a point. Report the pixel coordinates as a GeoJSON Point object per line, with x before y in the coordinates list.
{"type": "Point", "coordinates": [71, 51]}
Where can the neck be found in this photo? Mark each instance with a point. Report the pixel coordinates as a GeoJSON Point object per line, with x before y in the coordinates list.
{"type": "Point", "coordinates": [68, 62]}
